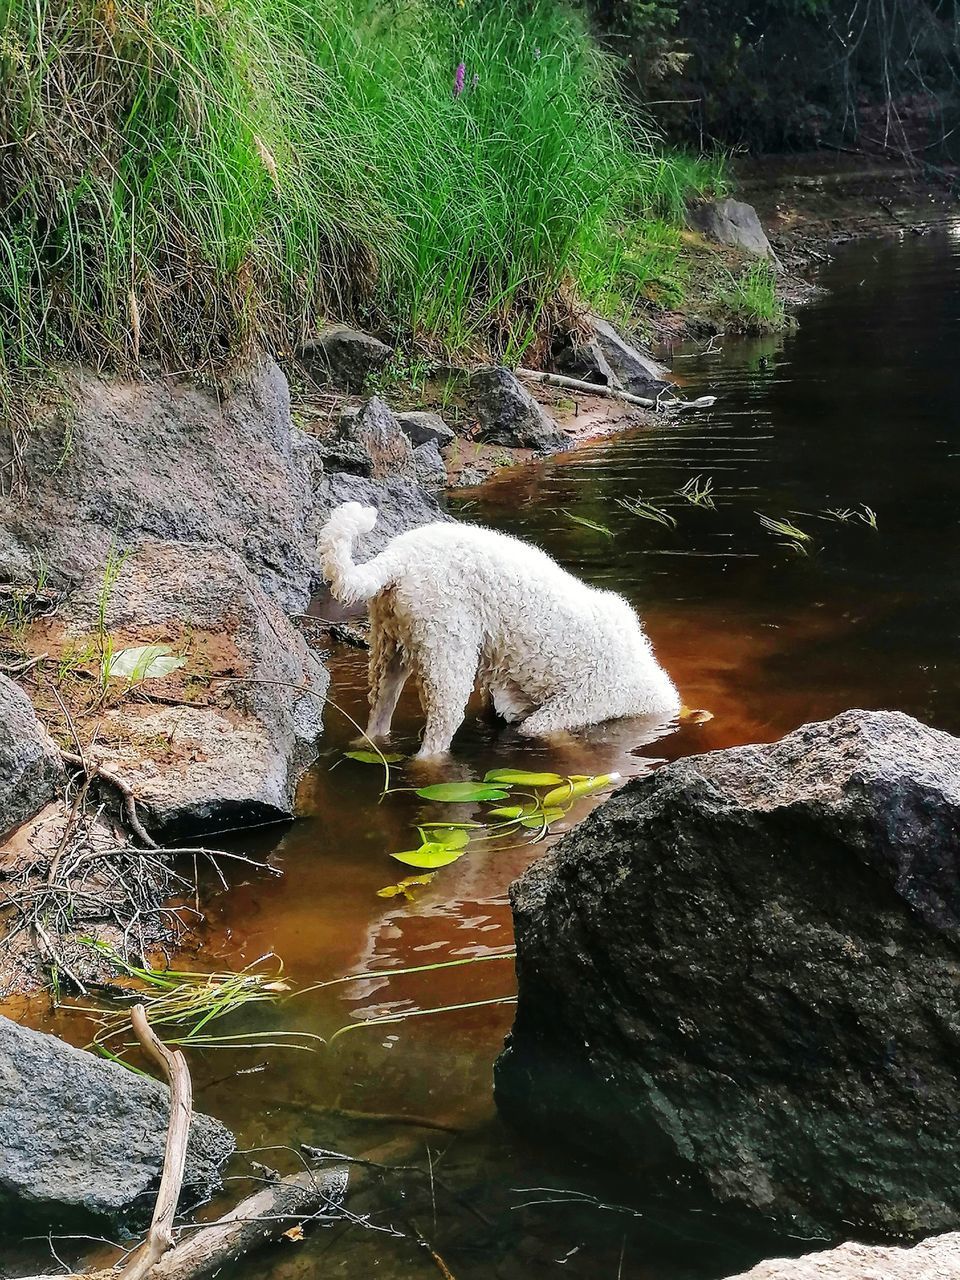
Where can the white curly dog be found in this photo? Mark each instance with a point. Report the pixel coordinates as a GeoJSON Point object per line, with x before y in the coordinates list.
{"type": "Point", "coordinates": [452, 604]}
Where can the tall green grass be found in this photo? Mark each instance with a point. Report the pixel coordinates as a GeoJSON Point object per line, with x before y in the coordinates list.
{"type": "Point", "coordinates": [181, 179]}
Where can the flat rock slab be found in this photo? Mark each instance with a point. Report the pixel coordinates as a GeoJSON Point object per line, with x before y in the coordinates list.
{"type": "Point", "coordinates": [247, 705]}
{"type": "Point", "coordinates": [744, 970]}
{"type": "Point", "coordinates": [934, 1259]}
{"type": "Point", "coordinates": [83, 1136]}
{"type": "Point", "coordinates": [344, 358]}
{"type": "Point", "coordinates": [31, 771]}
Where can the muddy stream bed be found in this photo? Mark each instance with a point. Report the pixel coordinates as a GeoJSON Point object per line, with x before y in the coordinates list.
{"type": "Point", "coordinates": [859, 406]}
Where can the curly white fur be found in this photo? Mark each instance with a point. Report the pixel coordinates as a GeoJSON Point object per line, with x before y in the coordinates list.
{"type": "Point", "coordinates": [453, 602]}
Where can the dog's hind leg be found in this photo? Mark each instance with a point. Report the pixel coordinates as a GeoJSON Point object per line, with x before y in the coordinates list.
{"type": "Point", "coordinates": [562, 711]}
{"type": "Point", "coordinates": [389, 669]}
{"type": "Point", "coordinates": [446, 681]}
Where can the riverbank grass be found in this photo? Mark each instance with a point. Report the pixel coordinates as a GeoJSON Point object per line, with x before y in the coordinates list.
{"type": "Point", "coordinates": [181, 181]}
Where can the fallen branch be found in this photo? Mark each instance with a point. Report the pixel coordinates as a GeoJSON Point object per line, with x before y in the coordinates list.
{"type": "Point", "coordinates": [174, 1066]}
{"type": "Point", "coordinates": [128, 797]}
{"type": "Point", "coordinates": [264, 1216]}
{"type": "Point", "coordinates": [614, 393]}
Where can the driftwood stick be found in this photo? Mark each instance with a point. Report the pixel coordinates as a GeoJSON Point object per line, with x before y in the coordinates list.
{"type": "Point", "coordinates": [129, 799]}
{"type": "Point", "coordinates": [613, 393]}
{"type": "Point", "coordinates": [174, 1067]}
{"type": "Point", "coordinates": [261, 1217]}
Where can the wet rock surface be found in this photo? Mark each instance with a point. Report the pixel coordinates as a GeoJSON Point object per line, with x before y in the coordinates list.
{"type": "Point", "coordinates": [744, 968]}
{"type": "Point", "coordinates": [509, 415]}
{"type": "Point", "coordinates": [31, 772]}
{"type": "Point", "coordinates": [733, 223]}
{"type": "Point", "coordinates": [118, 462]}
{"type": "Point", "coordinates": [83, 1136]}
{"type": "Point", "coordinates": [344, 358]}
{"type": "Point", "coordinates": [934, 1259]}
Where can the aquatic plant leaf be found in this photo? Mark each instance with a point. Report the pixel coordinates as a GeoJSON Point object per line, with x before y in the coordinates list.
{"type": "Point", "coordinates": [371, 757]}
{"type": "Point", "coordinates": [588, 524]}
{"type": "Point", "coordinates": [410, 881]}
{"type": "Point", "coordinates": [542, 819]}
{"type": "Point", "coordinates": [695, 716]}
{"type": "Point", "coordinates": [452, 838]}
{"type": "Point", "coordinates": [144, 662]}
{"type": "Point", "coordinates": [583, 787]}
{"type": "Point", "coordinates": [518, 778]}
{"type": "Point", "coordinates": [451, 792]}
{"type": "Point", "coordinates": [508, 811]}
{"type": "Point", "coordinates": [390, 891]}
{"type": "Point", "coordinates": [430, 856]}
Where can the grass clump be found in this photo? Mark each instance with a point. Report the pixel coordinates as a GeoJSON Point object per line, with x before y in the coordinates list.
{"type": "Point", "coordinates": [751, 299]}
{"type": "Point", "coordinates": [181, 180]}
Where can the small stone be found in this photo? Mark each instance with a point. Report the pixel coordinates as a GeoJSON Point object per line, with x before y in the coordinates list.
{"type": "Point", "coordinates": [422, 426]}
{"type": "Point", "coordinates": [369, 442]}
{"type": "Point", "coordinates": [633, 370]}
{"type": "Point", "coordinates": [431, 472]}
{"type": "Point", "coordinates": [733, 223]}
{"type": "Point", "coordinates": [345, 358]}
{"type": "Point", "coordinates": [31, 771]}
{"type": "Point", "coordinates": [509, 415]}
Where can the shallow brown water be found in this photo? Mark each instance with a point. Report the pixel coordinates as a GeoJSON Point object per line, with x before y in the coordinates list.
{"type": "Point", "coordinates": [859, 406]}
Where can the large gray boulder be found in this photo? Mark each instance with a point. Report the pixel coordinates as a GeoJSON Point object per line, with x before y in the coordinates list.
{"type": "Point", "coordinates": [221, 742]}
{"type": "Point", "coordinates": [743, 970]}
{"type": "Point", "coordinates": [509, 415]}
{"type": "Point", "coordinates": [344, 358]}
{"type": "Point", "coordinates": [116, 462]}
{"type": "Point", "coordinates": [31, 772]}
{"type": "Point", "coordinates": [83, 1136]}
{"type": "Point", "coordinates": [733, 223]}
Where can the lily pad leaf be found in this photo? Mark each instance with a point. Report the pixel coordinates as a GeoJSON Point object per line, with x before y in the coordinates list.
{"type": "Point", "coordinates": [453, 838]}
{"type": "Point", "coordinates": [451, 792]}
{"type": "Point", "coordinates": [371, 757]}
{"type": "Point", "coordinates": [144, 662]}
{"type": "Point", "coordinates": [518, 778]}
{"type": "Point", "coordinates": [508, 811]}
{"type": "Point", "coordinates": [695, 716]}
{"type": "Point", "coordinates": [429, 856]}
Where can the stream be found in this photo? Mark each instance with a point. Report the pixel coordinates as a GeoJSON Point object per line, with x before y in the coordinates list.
{"type": "Point", "coordinates": [855, 412]}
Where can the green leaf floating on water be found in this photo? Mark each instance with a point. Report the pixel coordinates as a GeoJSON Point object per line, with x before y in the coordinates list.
{"type": "Point", "coordinates": [542, 819]}
{"type": "Point", "coordinates": [451, 792]}
{"type": "Point", "coordinates": [144, 662]}
{"type": "Point", "coordinates": [452, 838]}
{"type": "Point", "coordinates": [371, 757]}
{"type": "Point", "coordinates": [430, 855]}
{"type": "Point", "coordinates": [518, 778]}
{"type": "Point", "coordinates": [509, 811]}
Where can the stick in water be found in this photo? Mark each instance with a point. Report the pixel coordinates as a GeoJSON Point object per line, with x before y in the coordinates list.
{"type": "Point", "coordinates": [614, 393]}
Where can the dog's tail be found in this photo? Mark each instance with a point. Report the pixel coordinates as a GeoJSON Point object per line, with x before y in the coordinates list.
{"type": "Point", "coordinates": [349, 582]}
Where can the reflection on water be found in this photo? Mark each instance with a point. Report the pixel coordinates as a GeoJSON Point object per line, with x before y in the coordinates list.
{"type": "Point", "coordinates": [858, 407]}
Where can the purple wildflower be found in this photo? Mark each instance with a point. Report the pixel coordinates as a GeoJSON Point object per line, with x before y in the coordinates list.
{"type": "Point", "coordinates": [459, 79]}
